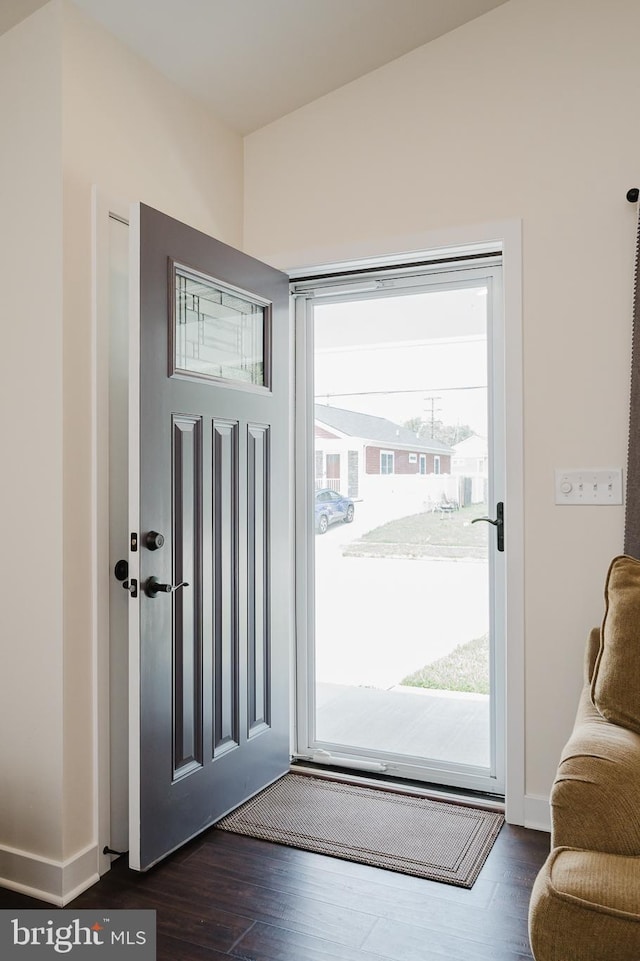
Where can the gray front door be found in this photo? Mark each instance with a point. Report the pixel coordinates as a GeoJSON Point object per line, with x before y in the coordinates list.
{"type": "Point", "coordinates": [210, 557]}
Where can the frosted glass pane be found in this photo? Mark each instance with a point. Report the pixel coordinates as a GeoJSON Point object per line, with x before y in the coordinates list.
{"type": "Point", "coordinates": [219, 332]}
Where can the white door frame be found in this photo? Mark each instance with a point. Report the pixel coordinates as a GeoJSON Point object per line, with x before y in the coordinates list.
{"type": "Point", "coordinates": [505, 236]}
{"type": "Point", "coordinates": [103, 207]}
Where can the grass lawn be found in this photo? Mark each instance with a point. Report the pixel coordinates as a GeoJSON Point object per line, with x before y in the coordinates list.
{"type": "Point", "coordinates": [427, 535]}
{"type": "Point", "coordinates": [466, 668]}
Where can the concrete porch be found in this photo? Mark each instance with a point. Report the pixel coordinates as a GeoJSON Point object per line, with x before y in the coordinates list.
{"type": "Point", "coordinates": [443, 725]}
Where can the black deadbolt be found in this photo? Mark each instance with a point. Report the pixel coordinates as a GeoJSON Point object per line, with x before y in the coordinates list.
{"type": "Point", "coordinates": [121, 570]}
{"type": "Point", "coordinates": [154, 541]}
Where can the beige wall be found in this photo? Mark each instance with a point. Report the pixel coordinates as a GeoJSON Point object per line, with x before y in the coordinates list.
{"type": "Point", "coordinates": [77, 108]}
{"type": "Point", "coordinates": [31, 479]}
{"type": "Point", "coordinates": [137, 137]}
{"type": "Point", "coordinates": [527, 112]}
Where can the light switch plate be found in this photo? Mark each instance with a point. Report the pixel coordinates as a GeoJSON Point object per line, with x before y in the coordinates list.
{"type": "Point", "coordinates": [588, 485]}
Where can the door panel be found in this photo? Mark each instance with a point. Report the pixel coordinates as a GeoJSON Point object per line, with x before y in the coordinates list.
{"type": "Point", "coordinates": [187, 543]}
{"type": "Point", "coordinates": [209, 638]}
{"type": "Point", "coordinates": [225, 544]}
{"type": "Point", "coordinates": [258, 612]}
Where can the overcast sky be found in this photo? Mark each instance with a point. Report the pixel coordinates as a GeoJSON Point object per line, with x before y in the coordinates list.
{"type": "Point", "coordinates": [415, 347]}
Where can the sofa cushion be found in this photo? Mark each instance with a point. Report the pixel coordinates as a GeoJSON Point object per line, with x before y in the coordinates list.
{"type": "Point", "coordinates": [584, 905]}
{"type": "Point", "coordinates": [615, 686]}
{"type": "Point", "coordinates": [595, 799]}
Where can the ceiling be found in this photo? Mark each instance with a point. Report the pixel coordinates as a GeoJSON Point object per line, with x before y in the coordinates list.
{"type": "Point", "coordinates": [13, 11]}
{"type": "Point", "coordinates": [253, 61]}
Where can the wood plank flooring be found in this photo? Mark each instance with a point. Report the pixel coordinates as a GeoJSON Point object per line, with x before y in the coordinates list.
{"type": "Point", "coordinates": [225, 897]}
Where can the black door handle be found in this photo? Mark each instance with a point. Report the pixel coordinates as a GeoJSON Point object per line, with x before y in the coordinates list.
{"type": "Point", "coordinates": [153, 587]}
{"type": "Point", "coordinates": [498, 523]}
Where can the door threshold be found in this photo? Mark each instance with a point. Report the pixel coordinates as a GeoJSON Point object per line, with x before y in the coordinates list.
{"type": "Point", "coordinates": [386, 782]}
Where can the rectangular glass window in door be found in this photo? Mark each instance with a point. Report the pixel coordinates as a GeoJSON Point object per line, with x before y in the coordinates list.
{"type": "Point", "coordinates": [218, 332]}
{"type": "Point", "coordinates": [403, 652]}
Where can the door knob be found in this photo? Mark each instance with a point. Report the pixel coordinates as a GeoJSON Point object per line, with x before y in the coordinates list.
{"type": "Point", "coordinates": [498, 523]}
{"type": "Point", "coordinates": [153, 587]}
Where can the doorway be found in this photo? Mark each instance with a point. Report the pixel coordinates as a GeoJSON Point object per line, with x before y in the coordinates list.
{"type": "Point", "coordinates": [109, 777]}
{"type": "Point", "coordinates": [402, 637]}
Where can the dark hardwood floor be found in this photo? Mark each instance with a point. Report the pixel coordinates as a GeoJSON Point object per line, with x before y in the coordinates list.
{"type": "Point", "coordinates": [229, 897]}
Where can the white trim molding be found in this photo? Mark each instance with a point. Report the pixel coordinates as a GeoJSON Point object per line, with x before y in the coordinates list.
{"type": "Point", "coordinates": [103, 207]}
{"type": "Point", "coordinates": [57, 882]}
{"type": "Point", "coordinates": [537, 813]}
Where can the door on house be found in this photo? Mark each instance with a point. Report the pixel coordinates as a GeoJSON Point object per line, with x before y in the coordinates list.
{"type": "Point", "coordinates": [209, 566]}
{"type": "Point", "coordinates": [401, 610]}
{"type": "Point", "coordinates": [333, 471]}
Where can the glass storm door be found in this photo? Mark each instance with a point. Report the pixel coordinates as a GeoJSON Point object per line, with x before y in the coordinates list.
{"type": "Point", "coordinates": [401, 660]}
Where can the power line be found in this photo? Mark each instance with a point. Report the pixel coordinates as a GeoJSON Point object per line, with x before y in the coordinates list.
{"type": "Point", "coordinates": [416, 390]}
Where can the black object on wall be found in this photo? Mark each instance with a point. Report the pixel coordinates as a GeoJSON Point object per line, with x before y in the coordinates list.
{"type": "Point", "coordinates": [632, 512]}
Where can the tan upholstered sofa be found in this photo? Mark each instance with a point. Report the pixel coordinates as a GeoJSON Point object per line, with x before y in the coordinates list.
{"type": "Point", "coordinates": [585, 904]}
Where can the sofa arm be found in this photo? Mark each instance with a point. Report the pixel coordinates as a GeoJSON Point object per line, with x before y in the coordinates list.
{"type": "Point", "coordinates": [594, 799]}
{"type": "Point", "coordinates": [584, 905]}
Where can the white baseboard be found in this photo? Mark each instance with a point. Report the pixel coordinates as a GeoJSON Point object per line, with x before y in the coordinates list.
{"type": "Point", "coordinates": [56, 882]}
{"type": "Point", "coordinates": [537, 813]}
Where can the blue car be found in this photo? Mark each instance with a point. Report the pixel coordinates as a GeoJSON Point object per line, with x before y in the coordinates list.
{"type": "Point", "coordinates": [332, 507]}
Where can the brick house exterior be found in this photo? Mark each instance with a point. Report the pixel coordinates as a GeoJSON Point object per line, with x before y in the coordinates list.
{"type": "Point", "coordinates": [407, 462]}
{"type": "Point", "coordinates": [351, 447]}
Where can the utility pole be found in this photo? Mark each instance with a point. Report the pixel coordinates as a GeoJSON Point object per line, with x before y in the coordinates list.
{"type": "Point", "coordinates": [431, 414]}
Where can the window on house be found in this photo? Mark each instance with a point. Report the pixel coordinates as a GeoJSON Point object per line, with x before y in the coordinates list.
{"type": "Point", "coordinates": [386, 462]}
{"type": "Point", "coordinates": [333, 471]}
{"type": "Point", "coordinates": [436, 464]}
{"type": "Point", "coordinates": [423, 463]}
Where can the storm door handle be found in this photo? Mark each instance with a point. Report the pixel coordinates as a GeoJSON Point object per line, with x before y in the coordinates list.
{"type": "Point", "coordinates": [498, 523]}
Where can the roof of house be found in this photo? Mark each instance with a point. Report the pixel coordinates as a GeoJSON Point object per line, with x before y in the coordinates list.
{"type": "Point", "coordinates": [472, 446]}
{"type": "Point", "coordinates": [377, 429]}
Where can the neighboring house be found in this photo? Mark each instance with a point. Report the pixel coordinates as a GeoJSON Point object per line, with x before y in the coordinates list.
{"type": "Point", "coordinates": [357, 452]}
{"type": "Point", "coordinates": [471, 462]}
